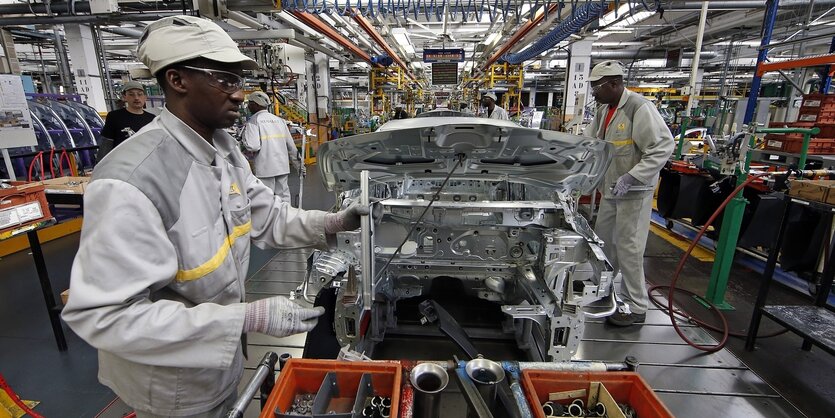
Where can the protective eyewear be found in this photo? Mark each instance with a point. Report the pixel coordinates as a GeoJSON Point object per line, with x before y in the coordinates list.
{"type": "Point", "coordinates": [595, 89]}
{"type": "Point", "coordinates": [222, 80]}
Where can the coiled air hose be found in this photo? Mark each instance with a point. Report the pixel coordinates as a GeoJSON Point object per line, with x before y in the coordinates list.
{"type": "Point", "coordinates": [673, 313]}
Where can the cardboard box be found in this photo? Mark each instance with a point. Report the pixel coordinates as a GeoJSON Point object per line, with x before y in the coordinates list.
{"type": "Point", "coordinates": [813, 190]}
{"type": "Point", "coordinates": [67, 185]}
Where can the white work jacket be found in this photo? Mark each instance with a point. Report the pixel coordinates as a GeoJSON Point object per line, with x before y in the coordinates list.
{"type": "Point", "coordinates": [268, 136]}
{"type": "Point", "coordinates": [498, 113]}
{"type": "Point", "coordinates": [642, 143]}
{"type": "Point", "coordinates": [158, 281]}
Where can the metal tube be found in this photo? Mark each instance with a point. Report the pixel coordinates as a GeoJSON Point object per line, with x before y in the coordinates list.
{"type": "Point", "coordinates": [428, 381]}
{"type": "Point", "coordinates": [366, 244]}
{"type": "Point", "coordinates": [486, 374]}
{"type": "Point", "coordinates": [282, 360]}
{"type": "Point", "coordinates": [264, 370]}
{"type": "Point", "coordinates": [131, 17]}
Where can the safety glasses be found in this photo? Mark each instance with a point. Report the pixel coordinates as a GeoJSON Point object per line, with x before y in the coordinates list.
{"type": "Point", "coordinates": [224, 81]}
{"type": "Point", "coordinates": [595, 89]}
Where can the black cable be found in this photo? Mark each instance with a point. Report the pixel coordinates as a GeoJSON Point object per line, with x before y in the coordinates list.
{"type": "Point", "coordinates": [426, 209]}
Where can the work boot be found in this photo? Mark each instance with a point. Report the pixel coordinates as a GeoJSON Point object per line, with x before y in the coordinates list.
{"type": "Point", "coordinates": [621, 319]}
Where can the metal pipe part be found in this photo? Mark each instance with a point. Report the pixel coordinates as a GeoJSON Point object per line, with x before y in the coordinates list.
{"type": "Point", "coordinates": [486, 374]}
{"type": "Point", "coordinates": [428, 381]}
{"type": "Point", "coordinates": [574, 366]}
{"type": "Point", "coordinates": [265, 368]}
{"type": "Point", "coordinates": [282, 360]}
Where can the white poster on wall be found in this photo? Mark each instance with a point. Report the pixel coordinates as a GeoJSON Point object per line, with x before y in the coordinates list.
{"type": "Point", "coordinates": [15, 121]}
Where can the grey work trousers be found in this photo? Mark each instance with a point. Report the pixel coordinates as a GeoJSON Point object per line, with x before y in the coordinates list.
{"type": "Point", "coordinates": [623, 225]}
{"type": "Point", "coordinates": [219, 411]}
{"type": "Point", "coordinates": [279, 186]}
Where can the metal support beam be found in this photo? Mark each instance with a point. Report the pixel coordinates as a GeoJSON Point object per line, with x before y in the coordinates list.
{"type": "Point", "coordinates": [321, 27]}
{"type": "Point", "coordinates": [762, 67]}
{"type": "Point", "coordinates": [694, 72]}
{"type": "Point", "coordinates": [366, 26]}
{"type": "Point", "coordinates": [732, 219]}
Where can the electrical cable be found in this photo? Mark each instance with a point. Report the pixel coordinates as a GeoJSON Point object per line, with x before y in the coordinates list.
{"type": "Point", "coordinates": [16, 399]}
{"type": "Point", "coordinates": [668, 306]}
{"type": "Point", "coordinates": [420, 218]}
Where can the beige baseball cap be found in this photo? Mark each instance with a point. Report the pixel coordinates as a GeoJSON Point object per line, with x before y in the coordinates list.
{"type": "Point", "coordinates": [180, 38]}
{"type": "Point", "coordinates": [606, 69]}
{"type": "Point", "coordinates": [132, 85]}
{"type": "Point", "coordinates": [490, 95]}
{"type": "Point", "coordinates": [260, 98]}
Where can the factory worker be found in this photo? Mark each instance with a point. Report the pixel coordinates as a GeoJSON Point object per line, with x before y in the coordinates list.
{"type": "Point", "coordinates": [642, 144]}
{"type": "Point", "coordinates": [269, 138]}
{"type": "Point", "coordinates": [491, 109]}
{"type": "Point", "coordinates": [157, 285]}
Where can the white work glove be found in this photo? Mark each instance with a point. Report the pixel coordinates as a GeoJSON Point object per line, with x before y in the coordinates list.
{"type": "Point", "coordinates": [624, 183]}
{"type": "Point", "coordinates": [279, 317]}
{"type": "Point", "coordinates": [302, 168]}
{"type": "Point", "coordinates": [345, 220]}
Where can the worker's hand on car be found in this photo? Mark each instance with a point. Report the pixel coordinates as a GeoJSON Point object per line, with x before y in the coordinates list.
{"type": "Point", "coordinates": [279, 317]}
{"type": "Point", "coordinates": [349, 219]}
{"type": "Point", "coordinates": [624, 183]}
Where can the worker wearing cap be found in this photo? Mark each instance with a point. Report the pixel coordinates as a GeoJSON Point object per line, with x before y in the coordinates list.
{"type": "Point", "coordinates": [399, 113]}
{"type": "Point", "coordinates": [157, 285]}
{"type": "Point", "coordinates": [492, 110]}
{"type": "Point", "coordinates": [642, 143]}
{"type": "Point", "coordinates": [269, 138]}
{"type": "Point", "coordinates": [121, 124]}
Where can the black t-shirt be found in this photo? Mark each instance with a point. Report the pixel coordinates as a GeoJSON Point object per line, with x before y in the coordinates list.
{"type": "Point", "coordinates": [121, 124]}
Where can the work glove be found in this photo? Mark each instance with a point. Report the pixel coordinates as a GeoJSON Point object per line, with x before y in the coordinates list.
{"type": "Point", "coordinates": [624, 183]}
{"type": "Point", "coordinates": [302, 168]}
{"type": "Point", "coordinates": [349, 219]}
{"type": "Point", "coordinates": [279, 317]}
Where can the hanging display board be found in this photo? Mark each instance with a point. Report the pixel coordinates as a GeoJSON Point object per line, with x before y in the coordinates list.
{"type": "Point", "coordinates": [15, 120]}
{"type": "Point", "coordinates": [443, 55]}
{"type": "Point", "coordinates": [444, 74]}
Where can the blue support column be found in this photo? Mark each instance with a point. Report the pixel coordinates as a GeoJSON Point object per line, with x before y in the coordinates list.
{"type": "Point", "coordinates": [827, 79]}
{"type": "Point", "coordinates": [768, 27]}
{"type": "Point", "coordinates": [732, 219]}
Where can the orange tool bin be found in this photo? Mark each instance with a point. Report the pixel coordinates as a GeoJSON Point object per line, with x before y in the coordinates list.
{"type": "Point", "coordinates": [625, 387]}
{"type": "Point", "coordinates": [306, 377]}
{"type": "Point", "coordinates": [23, 204]}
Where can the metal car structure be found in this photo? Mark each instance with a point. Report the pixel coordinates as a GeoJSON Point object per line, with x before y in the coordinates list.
{"type": "Point", "coordinates": [485, 202]}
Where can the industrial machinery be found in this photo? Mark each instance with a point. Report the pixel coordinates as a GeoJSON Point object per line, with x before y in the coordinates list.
{"type": "Point", "coordinates": [484, 202]}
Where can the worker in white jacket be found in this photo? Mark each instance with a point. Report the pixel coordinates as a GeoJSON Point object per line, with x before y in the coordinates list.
{"type": "Point", "coordinates": [267, 136]}
{"type": "Point", "coordinates": [491, 109]}
{"type": "Point", "coordinates": [642, 144]}
{"type": "Point", "coordinates": [157, 285]}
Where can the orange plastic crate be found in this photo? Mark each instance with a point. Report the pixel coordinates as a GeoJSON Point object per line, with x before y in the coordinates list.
{"type": "Point", "coordinates": [21, 196]}
{"type": "Point", "coordinates": [305, 376]}
{"type": "Point", "coordinates": [625, 387]}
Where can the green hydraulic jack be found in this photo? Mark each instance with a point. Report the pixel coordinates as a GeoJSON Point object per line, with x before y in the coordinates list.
{"type": "Point", "coordinates": [732, 220]}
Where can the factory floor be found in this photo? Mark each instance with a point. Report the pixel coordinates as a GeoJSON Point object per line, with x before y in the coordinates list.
{"type": "Point", "coordinates": [65, 384]}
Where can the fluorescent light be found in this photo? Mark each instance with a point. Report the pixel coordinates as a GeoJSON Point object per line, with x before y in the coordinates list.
{"type": "Point", "coordinates": [327, 19]}
{"type": "Point", "coordinates": [653, 85]}
{"type": "Point", "coordinates": [402, 38]}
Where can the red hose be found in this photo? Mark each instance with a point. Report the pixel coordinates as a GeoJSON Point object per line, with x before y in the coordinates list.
{"type": "Point", "coordinates": [16, 399]}
{"type": "Point", "coordinates": [52, 162]}
{"type": "Point", "coordinates": [672, 312]}
{"type": "Point", "coordinates": [37, 156]}
{"type": "Point", "coordinates": [64, 153]}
